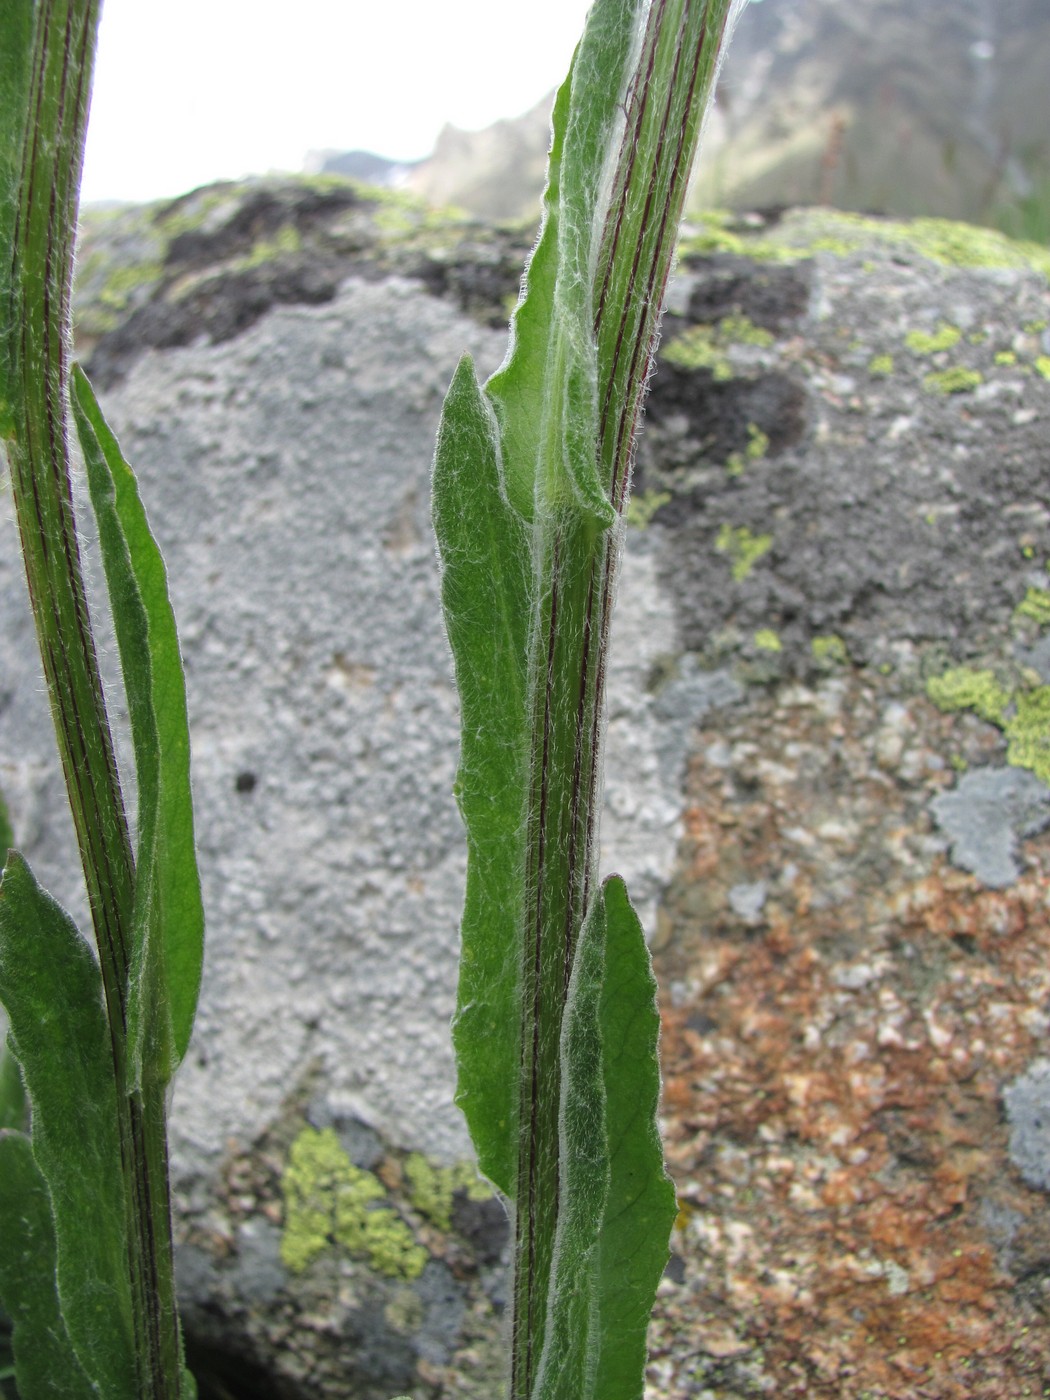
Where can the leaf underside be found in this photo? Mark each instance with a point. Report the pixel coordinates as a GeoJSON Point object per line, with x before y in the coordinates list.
{"type": "Point", "coordinates": [51, 988]}
{"type": "Point", "coordinates": [48, 1368]}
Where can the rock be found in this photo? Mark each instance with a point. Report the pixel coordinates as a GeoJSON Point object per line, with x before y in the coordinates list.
{"type": "Point", "coordinates": [830, 635]}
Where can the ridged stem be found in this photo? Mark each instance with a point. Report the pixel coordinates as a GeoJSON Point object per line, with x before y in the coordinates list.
{"type": "Point", "coordinates": [37, 323]}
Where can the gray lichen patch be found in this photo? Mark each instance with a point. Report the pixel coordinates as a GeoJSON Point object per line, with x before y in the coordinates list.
{"type": "Point", "coordinates": [987, 816]}
{"type": "Point", "coordinates": [1027, 1102]}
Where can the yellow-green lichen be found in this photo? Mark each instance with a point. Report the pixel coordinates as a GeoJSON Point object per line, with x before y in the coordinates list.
{"type": "Point", "coordinates": [1028, 732]}
{"type": "Point", "coordinates": [741, 330]}
{"type": "Point", "coordinates": [829, 650]}
{"type": "Point", "coordinates": [122, 281]}
{"type": "Point", "coordinates": [642, 507]}
{"type": "Point", "coordinates": [431, 1188]}
{"type": "Point", "coordinates": [1034, 327]}
{"type": "Point", "coordinates": [328, 1201]}
{"type": "Point", "coordinates": [925, 343]}
{"type": "Point", "coordinates": [735, 464]}
{"type": "Point", "coordinates": [743, 548]}
{"type": "Point", "coordinates": [879, 366]}
{"type": "Point", "coordinates": [806, 231]}
{"type": "Point", "coordinates": [696, 348]}
{"type": "Point", "coordinates": [705, 347]}
{"type": "Point", "coordinates": [190, 213]}
{"type": "Point", "coordinates": [766, 639]}
{"type": "Point", "coordinates": [966, 245]}
{"type": "Point", "coordinates": [757, 442]}
{"type": "Point", "coordinates": [1005, 357]}
{"type": "Point", "coordinates": [717, 231]}
{"type": "Point", "coordinates": [286, 240]}
{"type": "Point", "coordinates": [756, 449]}
{"type": "Point", "coordinates": [962, 688]}
{"type": "Point", "coordinates": [1042, 365]}
{"type": "Point", "coordinates": [1035, 606]}
{"type": "Point", "coordinates": [957, 380]}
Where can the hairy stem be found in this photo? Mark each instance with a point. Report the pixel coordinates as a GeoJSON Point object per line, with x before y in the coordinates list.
{"type": "Point", "coordinates": [37, 443]}
{"type": "Point", "coordinates": [575, 566]}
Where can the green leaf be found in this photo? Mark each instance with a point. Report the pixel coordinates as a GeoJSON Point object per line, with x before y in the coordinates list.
{"type": "Point", "coordinates": [13, 1107]}
{"type": "Point", "coordinates": [46, 1365]}
{"type": "Point", "coordinates": [546, 394]}
{"type": "Point", "coordinates": [50, 986]}
{"type": "Point", "coordinates": [486, 591]}
{"type": "Point", "coordinates": [168, 922]}
{"type": "Point", "coordinates": [617, 1203]}
{"type": "Point", "coordinates": [641, 1207]}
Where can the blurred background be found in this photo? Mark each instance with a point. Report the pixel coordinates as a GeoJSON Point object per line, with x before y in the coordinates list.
{"type": "Point", "coordinates": [935, 107]}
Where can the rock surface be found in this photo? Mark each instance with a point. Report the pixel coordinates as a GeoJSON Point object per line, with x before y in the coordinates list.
{"type": "Point", "coordinates": [831, 670]}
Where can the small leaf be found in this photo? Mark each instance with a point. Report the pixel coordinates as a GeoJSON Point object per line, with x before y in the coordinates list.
{"type": "Point", "coordinates": [46, 1366]}
{"type": "Point", "coordinates": [617, 1203]}
{"type": "Point", "coordinates": [168, 919]}
{"type": "Point", "coordinates": [51, 989]}
{"type": "Point", "coordinates": [546, 392]}
{"type": "Point", "coordinates": [641, 1207]}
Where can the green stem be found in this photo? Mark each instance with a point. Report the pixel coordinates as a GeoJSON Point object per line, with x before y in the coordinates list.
{"type": "Point", "coordinates": [38, 310]}
{"type": "Point", "coordinates": [575, 565]}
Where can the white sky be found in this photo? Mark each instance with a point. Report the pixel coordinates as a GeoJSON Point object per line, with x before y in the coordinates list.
{"type": "Point", "coordinates": [200, 90]}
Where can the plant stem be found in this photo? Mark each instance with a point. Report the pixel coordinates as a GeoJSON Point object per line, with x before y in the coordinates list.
{"type": "Point", "coordinates": [575, 566]}
{"type": "Point", "coordinates": [38, 451]}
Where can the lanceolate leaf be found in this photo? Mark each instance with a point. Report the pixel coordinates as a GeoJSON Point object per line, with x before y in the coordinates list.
{"type": "Point", "coordinates": [48, 1368]}
{"type": "Point", "coordinates": [486, 589]}
{"type": "Point", "coordinates": [50, 985]}
{"type": "Point", "coordinates": [168, 924]}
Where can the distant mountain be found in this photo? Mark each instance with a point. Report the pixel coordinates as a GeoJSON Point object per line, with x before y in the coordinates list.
{"type": "Point", "coordinates": [359, 165]}
{"type": "Point", "coordinates": [931, 107]}
{"type": "Point", "coordinates": [496, 173]}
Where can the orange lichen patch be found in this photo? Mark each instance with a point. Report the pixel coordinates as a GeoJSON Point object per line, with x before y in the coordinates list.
{"type": "Point", "coordinates": [833, 1076]}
